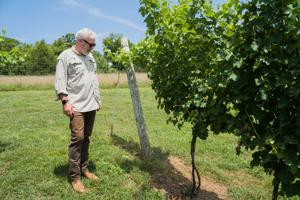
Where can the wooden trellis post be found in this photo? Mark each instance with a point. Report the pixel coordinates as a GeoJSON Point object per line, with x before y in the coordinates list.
{"type": "Point", "coordinates": [137, 106]}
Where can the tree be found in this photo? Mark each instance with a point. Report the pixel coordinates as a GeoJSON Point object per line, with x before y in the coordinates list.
{"type": "Point", "coordinates": [8, 44]}
{"type": "Point", "coordinates": [102, 63]}
{"type": "Point", "coordinates": [11, 56]}
{"type": "Point", "coordinates": [58, 46]}
{"type": "Point", "coordinates": [41, 59]}
{"type": "Point", "coordinates": [20, 54]}
{"type": "Point", "coordinates": [69, 39]}
{"type": "Point", "coordinates": [231, 70]}
{"type": "Point", "coordinates": [62, 43]}
{"type": "Point", "coordinates": [112, 44]}
{"type": "Point", "coordinates": [265, 53]}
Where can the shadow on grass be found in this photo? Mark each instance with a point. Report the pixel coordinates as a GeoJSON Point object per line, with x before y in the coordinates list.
{"type": "Point", "coordinates": [4, 146]}
{"type": "Point", "coordinates": [63, 170]}
{"type": "Point", "coordinates": [164, 176]}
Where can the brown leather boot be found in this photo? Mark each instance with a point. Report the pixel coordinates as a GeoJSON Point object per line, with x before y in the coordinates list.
{"type": "Point", "coordinates": [78, 186]}
{"type": "Point", "coordinates": [90, 176]}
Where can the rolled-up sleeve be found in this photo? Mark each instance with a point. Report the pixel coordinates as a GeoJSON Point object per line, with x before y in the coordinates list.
{"type": "Point", "coordinates": [61, 77]}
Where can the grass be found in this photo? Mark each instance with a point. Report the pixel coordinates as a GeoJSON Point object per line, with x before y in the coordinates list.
{"type": "Point", "coordinates": [33, 151]}
{"type": "Point", "coordinates": [108, 80]}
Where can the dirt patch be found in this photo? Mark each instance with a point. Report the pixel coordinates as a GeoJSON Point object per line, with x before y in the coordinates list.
{"type": "Point", "coordinates": [170, 175]}
{"type": "Point", "coordinates": [176, 186]}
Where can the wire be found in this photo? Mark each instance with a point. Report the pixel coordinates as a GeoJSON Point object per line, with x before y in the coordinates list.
{"type": "Point", "coordinates": [113, 109]}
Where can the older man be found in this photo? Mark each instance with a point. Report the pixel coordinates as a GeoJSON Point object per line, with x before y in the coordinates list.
{"type": "Point", "coordinates": [77, 87]}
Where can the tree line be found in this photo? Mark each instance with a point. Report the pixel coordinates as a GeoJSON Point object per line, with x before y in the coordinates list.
{"type": "Point", "coordinates": [17, 58]}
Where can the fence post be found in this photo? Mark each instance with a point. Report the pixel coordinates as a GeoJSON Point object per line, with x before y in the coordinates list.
{"type": "Point", "coordinates": [137, 106]}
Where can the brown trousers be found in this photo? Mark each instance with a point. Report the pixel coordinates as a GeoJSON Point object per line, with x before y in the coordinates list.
{"type": "Point", "coordinates": [81, 126]}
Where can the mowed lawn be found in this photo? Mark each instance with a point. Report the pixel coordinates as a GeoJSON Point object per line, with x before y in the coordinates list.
{"type": "Point", "coordinates": [33, 151]}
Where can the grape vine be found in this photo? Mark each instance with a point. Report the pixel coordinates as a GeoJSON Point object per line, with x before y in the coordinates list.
{"type": "Point", "coordinates": [232, 69]}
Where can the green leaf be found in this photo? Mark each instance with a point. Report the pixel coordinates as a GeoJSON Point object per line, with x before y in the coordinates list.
{"type": "Point", "coordinates": [291, 189]}
{"type": "Point", "coordinates": [233, 76]}
{"type": "Point", "coordinates": [254, 46]}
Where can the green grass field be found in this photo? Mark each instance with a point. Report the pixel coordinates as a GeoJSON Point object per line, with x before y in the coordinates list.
{"type": "Point", "coordinates": [33, 151]}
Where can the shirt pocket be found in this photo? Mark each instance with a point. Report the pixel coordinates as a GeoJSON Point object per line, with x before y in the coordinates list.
{"type": "Point", "coordinates": [92, 65]}
{"type": "Point", "coordinates": [75, 68]}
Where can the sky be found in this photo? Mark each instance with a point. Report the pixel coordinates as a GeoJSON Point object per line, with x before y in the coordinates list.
{"type": "Point", "coordinates": [32, 20]}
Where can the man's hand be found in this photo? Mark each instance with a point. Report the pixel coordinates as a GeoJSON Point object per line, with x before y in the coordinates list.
{"type": "Point", "coordinates": [100, 107]}
{"type": "Point", "coordinates": [68, 110]}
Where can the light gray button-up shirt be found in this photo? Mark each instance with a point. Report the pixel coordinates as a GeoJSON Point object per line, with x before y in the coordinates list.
{"type": "Point", "coordinates": [76, 77]}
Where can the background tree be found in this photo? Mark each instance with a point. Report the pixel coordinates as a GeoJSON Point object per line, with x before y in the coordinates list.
{"type": "Point", "coordinates": [69, 39]}
{"type": "Point", "coordinates": [41, 59]}
{"type": "Point", "coordinates": [112, 43]}
{"type": "Point", "coordinates": [102, 63]}
{"type": "Point", "coordinates": [24, 59]}
{"type": "Point", "coordinates": [11, 56]}
{"type": "Point", "coordinates": [62, 43]}
{"type": "Point", "coordinates": [8, 44]}
{"type": "Point", "coordinates": [58, 46]}
{"type": "Point", "coordinates": [20, 53]}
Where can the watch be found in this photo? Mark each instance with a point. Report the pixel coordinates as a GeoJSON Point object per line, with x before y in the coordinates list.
{"type": "Point", "coordinates": [64, 101]}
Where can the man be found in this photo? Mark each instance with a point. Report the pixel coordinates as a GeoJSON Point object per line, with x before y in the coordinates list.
{"type": "Point", "coordinates": [77, 87]}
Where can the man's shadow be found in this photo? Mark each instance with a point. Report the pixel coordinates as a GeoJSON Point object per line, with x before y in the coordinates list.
{"type": "Point", "coordinates": [62, 170]}
{"type": "Point", "coordinates": [163, 174]}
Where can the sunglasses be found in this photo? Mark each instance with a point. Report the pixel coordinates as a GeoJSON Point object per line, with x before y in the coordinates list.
{"type": "Point", "coordinates": [91, 45]}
